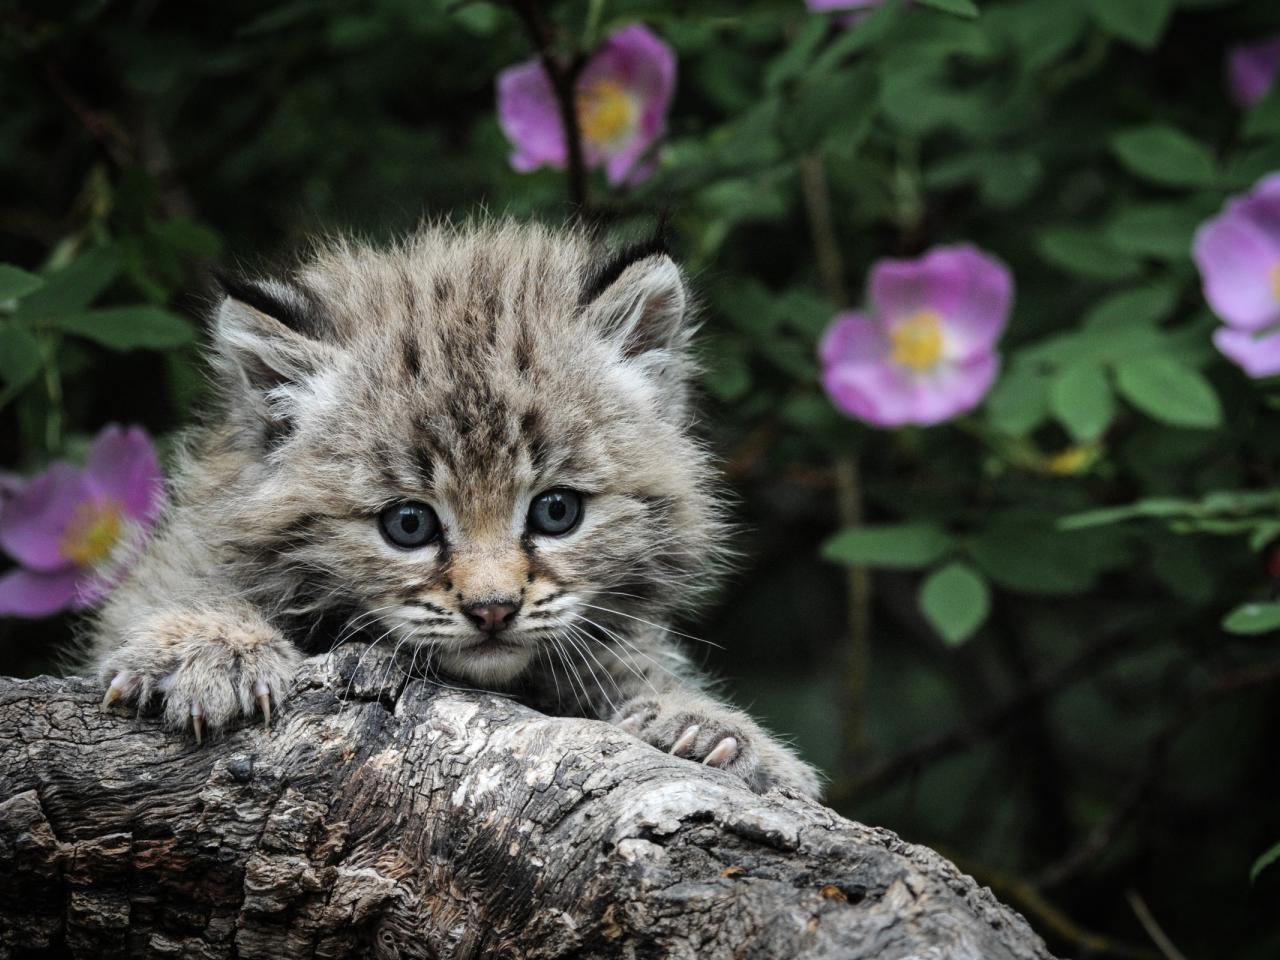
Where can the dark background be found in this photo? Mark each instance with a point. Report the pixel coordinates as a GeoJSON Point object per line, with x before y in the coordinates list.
{"type": "Point", "coordinates": [1100, 737]}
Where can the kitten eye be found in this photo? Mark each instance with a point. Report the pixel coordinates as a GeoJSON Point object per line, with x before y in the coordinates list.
{"type": "Point", "coordinates": [409, 524]}
{"type": "Point", "coordinates": [555, 512]}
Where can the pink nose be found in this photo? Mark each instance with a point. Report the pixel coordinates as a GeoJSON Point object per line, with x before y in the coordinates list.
{"type": "Point", "coordinates": [491, 617]}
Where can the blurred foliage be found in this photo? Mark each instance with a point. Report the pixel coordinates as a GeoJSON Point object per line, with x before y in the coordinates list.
{"type": "Point", "coordinates": [1073, 674]}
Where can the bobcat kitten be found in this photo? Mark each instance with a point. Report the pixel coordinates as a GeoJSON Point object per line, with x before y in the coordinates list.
{"type": "Point", "coordinates": [475, 443]}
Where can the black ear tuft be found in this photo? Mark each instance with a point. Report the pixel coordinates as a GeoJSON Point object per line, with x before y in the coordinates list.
{"type": "Point", "coordinates": [286, 303]}
{"type": "Point", "coordinates": [608, 272]}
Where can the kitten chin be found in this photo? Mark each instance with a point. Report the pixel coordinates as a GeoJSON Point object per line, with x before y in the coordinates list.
{"type": "Point", "coordinates": [491, 662]}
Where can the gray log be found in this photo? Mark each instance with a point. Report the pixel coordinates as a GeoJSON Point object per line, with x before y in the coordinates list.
{"type": "Point", "coordinates": [389, 817]}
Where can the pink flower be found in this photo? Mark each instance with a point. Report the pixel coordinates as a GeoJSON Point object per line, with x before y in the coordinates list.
{"type": "Point", "coordinates": [1238, 253]}
{"type": "Point", "coordinates": [925, 351]}
{"type": "Point", "coordinates": [62, 525]}
{"type": "Point", "coordinates": [623, 94]}
{"type": "Point", "coordinates": [828, 6]}
{"type": "Point", "coordinates": [1251, 70]}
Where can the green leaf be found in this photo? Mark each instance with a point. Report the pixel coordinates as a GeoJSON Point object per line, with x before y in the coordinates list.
{"type": "Point", "coordinates": [1151, 507]}
{"type": "Point", "coordinates": [830, 107]}
{"type": "Point", "coordinates": [1164, 155]}
{"type": "Point", "coordinates": [907, 546]}
{"type": "Point", "coordinates": [1080, 397]}
{"type": "Point", "coordinates": [127, 328]}
{"type": "Point", "coordinates": [1253, 618]}
{"type": "Point", "coordinates": [1137, 307]}
{"type": "Point", "coordinates": [1157, 230]}
{"type": "Point", "coordinates": [961, 8]}
{"type": "Point", "coordinates": [956, 601]}
{"type": "Point", "coordinates": [1020, 401]}
{"type": "Point", "coordinates": [1140, 22]}
{"type": "Point", "coordinates": [16, 282]}
{"type": "Point", "coordinates": [727, 375]}
{"type": "Point", "coordinates": [1026, 553]}
{"type": "Point", "coordinates": [793, 59]}
{"type": "Point", "coordinates": [1169, 392]}
{"type": "Point", "coordinates": [1263, 119]}
{"type": "Point", "coordinates": [19, 358]}
{"type": "Point", "coordinates": [871, 30]}
{"type": "Point", "coordinates": [75, 286]}
{"type": "Point", "coordinates": [1264, 861]}
{"type": "Point", "coordinates": [1085, 253]}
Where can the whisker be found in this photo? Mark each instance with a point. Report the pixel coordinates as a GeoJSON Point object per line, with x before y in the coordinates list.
{"type": "Point", "coordinates": [628, 662]}
{"type": "Point", "coordinates": [658, 626]}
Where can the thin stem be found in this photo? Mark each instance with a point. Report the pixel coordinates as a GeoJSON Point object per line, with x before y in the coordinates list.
{"type": "Point", "coordinates": [817, 201]}
{"type": "Point", "coordinates": [53, 390]}
{"type": "Point", "coordinates": [563, 77]}
{"type": "Point", "coordinates": [1154, 930]}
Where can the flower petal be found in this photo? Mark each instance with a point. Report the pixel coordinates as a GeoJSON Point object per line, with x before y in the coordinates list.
{"type": "Point", "coordinates": [34, 522]}
{"type": "Point", "coordinates": [821, 6]}
{"type": "Point", "coordinates": [530, 118]}
{"type": "Point", "coordinates": [123, 466]}
{"type": "Point", "coordinates": [853, 338]}
{"type": "Point", "coordinates": [884, 395]}
{"type": "Point", "coordinates": [1236, 259]}
{"type": "Point", "coordinates": [1251, 70]}
{"type": "Point", "coordinates": [638, 61]}
{"type": "Point", "coordinates": [971, 290]}
{"type": "Point", "coordinates": [1257, 356]}
{"type": "Point", "coordinates": [24, 593]}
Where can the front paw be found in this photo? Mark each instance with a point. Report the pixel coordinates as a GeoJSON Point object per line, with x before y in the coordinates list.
{"type": "Point", "coordinates": [708, 733]}
{"type": "Point", "coordinates": [206, 670]}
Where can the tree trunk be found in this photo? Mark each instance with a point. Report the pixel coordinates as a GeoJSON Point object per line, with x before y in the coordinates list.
{"type": "Point", "coordinates": [390, 817]}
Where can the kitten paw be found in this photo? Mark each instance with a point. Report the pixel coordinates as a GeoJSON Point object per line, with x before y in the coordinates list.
{"type": "Point", "coordinates": [706, 732]}
{"type": "Point", "coordinates": [205, 672]}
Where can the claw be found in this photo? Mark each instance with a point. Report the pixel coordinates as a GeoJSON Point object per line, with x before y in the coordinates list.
{"type": "Point", "coordinates": [630, 724]}
{"type": "Point", "coordinates": [724, 751]}
{"type": "Point", "coordinates": [197, 722]}
{"type": "Point", "coordinates": [262, 693]}
{"type": "Point", "coordinates": [116, 690]}
{"type": "Point", "coordinates": [682, 745]}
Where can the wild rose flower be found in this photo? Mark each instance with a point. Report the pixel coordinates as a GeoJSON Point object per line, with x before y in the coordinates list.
{"type": "Point", "coordinates": [925, 350]}
{"type": "Point", "coordinates": [62, 525]}
{"type": "Point", "coordinates": [832, 6]}
{"type": "Point", "coordinates": [623, 95]}
{"type": "Point", "coordinates": [1238, 253]}
{"type": "Point", "coordinates": [1252, 69]}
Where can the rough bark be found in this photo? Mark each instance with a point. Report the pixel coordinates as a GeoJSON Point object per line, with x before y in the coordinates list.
{"type": "Point", "coordinates": [389, 817]}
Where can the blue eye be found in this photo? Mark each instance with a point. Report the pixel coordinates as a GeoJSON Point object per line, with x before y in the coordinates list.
{"type": "Point", "coordinates": [409, 524]}
{"type": "Point", "coordinates": [555, 512]}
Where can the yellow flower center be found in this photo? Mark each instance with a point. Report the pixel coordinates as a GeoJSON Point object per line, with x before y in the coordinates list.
{"type": "Point", "coordinates": [606, 112]}
{"type": "Point", "coordinates": [916, 342]}
{"type": "Point", "coordinates": [1273, 275]}
{"type": "Point", "coordinates": [1072, 460]}
{"type": "Point", "coordinates": [93, 531]}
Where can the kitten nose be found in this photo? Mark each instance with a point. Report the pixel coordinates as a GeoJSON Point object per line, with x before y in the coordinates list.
{"type": "Point", "coordinates": [491, 617]}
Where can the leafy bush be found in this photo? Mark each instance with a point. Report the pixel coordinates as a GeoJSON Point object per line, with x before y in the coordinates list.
{"type": "Point", "coordinates": [1075, 571]}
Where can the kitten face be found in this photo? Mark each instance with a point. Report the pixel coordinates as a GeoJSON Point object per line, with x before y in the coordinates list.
{"type": "Point", "coordinates": [402, 412]}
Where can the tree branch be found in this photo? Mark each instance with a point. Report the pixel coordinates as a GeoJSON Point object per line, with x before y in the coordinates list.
{"type": "Point", "coordinates": [563, 77]}
{"type": "Point", "coordinates": [387, 816]}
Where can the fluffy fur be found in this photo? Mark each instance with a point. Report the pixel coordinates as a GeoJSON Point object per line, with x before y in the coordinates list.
{"type": "Point", "coordinates": [471, 369]}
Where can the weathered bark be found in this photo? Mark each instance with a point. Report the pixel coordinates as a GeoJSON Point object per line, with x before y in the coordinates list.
{"type": "Point", "coordinates": [390, 817]}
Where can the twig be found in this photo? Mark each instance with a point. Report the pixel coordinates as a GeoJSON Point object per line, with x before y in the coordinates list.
{"type": "Point", "coordinates": [1052, 917]}
{"type": "Point", "coordinates": [934, 748]}
{"type": "Point", "coordinates": [563, 77]}
{"type": "Point", "coordinates": [817, 202]}
{"type": "Point", "coordinates": [1149, 924]}
{"type": "Point", "coordinates": [1101, 838]}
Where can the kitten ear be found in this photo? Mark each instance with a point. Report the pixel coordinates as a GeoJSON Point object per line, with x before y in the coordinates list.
{"type": "Point", "coordinates": [268, 346]}
{"type": "Point", "coordinates": [645, 308]}
{"type": "Point", "coordinates": [643, 303]}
